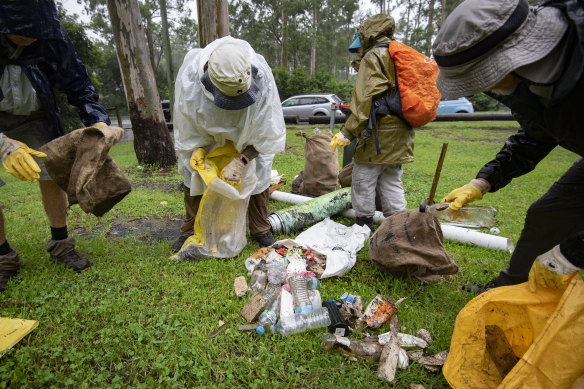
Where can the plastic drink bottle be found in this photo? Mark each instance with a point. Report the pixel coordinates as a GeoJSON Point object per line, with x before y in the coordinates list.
{"type": "Point", "coordinates": [301, 322]}
{"type": "Point", "coordinates": [467, 216]}
{"type": "Point", "coordinates": [271, 293]}
{"type": "Point", "coordinates": [299, 286]}
{"type": "Point", "coordinates": [276, 273]}
{"type": "Point", "coordinates": [259, 277]}
{"type": "Point", "coordinates": [268, 318]}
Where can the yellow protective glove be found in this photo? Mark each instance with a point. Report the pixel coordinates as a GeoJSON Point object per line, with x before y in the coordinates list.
{"type": "Point", "coordinates": [551, 270]}
{"type": "Point", "coordinates": [339, 140]}
{"type": "Point", "coordinates": [232, 172]}
{"type": "Point", "coordinates": [99, 124]}
{"type": "Point", "coordinates": [472, 191]}
{"type": "Point", "coordinates": [17, 159]}
{"type": "Point", "coordinates": [197, 161]}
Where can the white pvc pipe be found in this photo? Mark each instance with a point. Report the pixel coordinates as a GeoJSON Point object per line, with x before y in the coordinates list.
{"type": "Point", "coordinates": [458, 234]}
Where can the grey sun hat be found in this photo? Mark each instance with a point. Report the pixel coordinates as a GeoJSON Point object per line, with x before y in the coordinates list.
{"type": "Point", "coordinates": [482, 41]}
{"type": "Point", "coordinates": [230, 77]}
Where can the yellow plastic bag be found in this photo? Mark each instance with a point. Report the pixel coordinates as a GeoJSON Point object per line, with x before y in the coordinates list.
{"type": "Point", "coordinates": [545, 330]}
{"type": "Point", "coordinates": [13, 330]}
{"type": "Point", "coordinates": [219, 228]}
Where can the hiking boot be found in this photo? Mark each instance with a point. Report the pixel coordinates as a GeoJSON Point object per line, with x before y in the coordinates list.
{"type": "Point", "coordinates": [178, 243]}
{"type": "Point", "coordinates": [265, 240]}
{"type": "Point", "coordinates": [481, 288]}
{"type": "Point", "coordinates": [366, 221]}
{"type": "Point", "coordinates": [9, 266]}
{"type": "Point", "coordinates": [64, 251]}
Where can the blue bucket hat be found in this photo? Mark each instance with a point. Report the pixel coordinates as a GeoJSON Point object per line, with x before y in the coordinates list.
{"type": "Point", "coordinates": [354, 48]}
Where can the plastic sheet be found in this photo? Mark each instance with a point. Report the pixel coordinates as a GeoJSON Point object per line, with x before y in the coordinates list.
{"type": "Point", "coordinates": [339, 243]}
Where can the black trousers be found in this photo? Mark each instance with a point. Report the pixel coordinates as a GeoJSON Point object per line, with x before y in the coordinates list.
{"type": "Point", "coordinates": [555, 218]}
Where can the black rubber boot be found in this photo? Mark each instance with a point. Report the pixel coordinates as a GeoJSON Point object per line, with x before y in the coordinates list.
{"type": "Point", "coordinates": [265, 240]}
{"type": "Point", "coordinates": [366, 221]}
{"type": "Point", "coordinates": [178, 243]}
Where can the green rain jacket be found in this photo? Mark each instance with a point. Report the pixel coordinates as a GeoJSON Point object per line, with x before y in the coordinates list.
{"type": "Point", "coordinates": [376, 77]}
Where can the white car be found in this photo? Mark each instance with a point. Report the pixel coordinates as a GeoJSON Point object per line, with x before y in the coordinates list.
{"type": "Point", "coordinates": [305, 106]}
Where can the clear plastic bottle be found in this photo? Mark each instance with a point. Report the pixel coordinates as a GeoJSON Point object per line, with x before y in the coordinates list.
{"type": "Point", "coordinates": [299, 286]}
{"type": "Point", "coordinates": [368, 350]}
{"type": "Point", "coordinates": [301, 322]}
{"type": "Point", "coordinates": [268, 318]}
{"type": "Point", "coordinates": [277, 273]}
{"type": "Point", "coordinates": [259, 277]}
{"type": "Point", "coordinates": [468, 216]}
{"type": "Point", "coordinates": [271, 293]}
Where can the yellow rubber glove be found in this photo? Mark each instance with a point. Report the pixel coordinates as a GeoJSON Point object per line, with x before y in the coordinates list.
{"type": "Point", "coordinates": [17, 159]}
{"type": "Point", "coordinates": [99, 124]}
{"type": "Point", "coordinates": [197, 161]}
{"type": "Point", "coordinates": [551, 270]}
{"type": "Point", "coordinates": [339, 140]}
{"type": "Point", "coordinates": [472, 191]}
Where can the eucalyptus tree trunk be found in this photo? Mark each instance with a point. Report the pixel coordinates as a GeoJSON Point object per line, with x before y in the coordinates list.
{"type": "Point", "coordinates": [313, 41]}
{"type": "Point", "coordinates": [213, 20]}
{"type": "Point", "coordinates": [152, 141]}
{"type": "Point", "coordinates": [168, 51]}
{"type": "Point", "coordinates": [430, 29]}
{"type": "Point", "coordinates": [284, 57]}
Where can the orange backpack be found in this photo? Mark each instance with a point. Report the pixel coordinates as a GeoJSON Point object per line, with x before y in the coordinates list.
{"type": "Point", "coordinates": [416, 76]}
{"type": "Point", "coordinates": [416, 97]}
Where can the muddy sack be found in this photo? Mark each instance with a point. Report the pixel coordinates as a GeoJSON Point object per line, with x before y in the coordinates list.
{"type": "Point", "coordinates": [79, 164]}
{"type": "Point", "coordinates": [410, 244]}
{"type": "Point", "coordinates": [321, 169]}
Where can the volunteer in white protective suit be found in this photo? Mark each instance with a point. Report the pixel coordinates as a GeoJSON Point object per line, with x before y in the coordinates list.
{"type": "Point", "coordinates": [226, 92]}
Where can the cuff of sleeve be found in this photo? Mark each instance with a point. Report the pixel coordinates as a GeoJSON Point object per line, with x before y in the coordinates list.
{"type": "Point", "coordinates": [481, 183]}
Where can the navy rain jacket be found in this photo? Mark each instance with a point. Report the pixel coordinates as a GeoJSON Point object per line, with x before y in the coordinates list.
{"type": "Point", "coordinates": [50, 62]}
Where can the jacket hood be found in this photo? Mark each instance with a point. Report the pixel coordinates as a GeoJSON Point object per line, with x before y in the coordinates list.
{"type": "Point", "coordinates": [375, 30]}
{"type": "Point", "coordinates": [31, 18]}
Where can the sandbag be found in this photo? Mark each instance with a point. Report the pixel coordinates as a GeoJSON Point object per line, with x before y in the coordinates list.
{"type": "Point", "coordinates": [321, 169]}
{"type": "Point", "coordinates": [410, 243]}
{"type": "Point", "coordinates": [543, 328]}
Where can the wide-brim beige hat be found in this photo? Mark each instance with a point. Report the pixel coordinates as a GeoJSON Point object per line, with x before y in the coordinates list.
{"type": "Point", "coordinates": [482, 41]}
{"type": "Point", "coordinates": [230, 76]}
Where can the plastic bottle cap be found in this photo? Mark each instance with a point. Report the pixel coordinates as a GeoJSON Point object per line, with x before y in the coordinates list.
{"type": "Point", "coordinates": [260, 330]}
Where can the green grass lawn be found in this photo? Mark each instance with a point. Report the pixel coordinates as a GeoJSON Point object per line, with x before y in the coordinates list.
{"type": "Point", "coordinates": [138, 319]}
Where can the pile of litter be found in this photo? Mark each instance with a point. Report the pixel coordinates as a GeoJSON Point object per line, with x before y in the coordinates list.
{"type": "Point", "coordinates": [284, 298]}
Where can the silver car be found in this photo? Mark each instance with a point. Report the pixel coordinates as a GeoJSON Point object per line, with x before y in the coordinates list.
{"type": "Point", "coordinates": [305, 106]}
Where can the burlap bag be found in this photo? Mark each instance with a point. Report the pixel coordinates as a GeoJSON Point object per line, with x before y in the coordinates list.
{"type": "Point", "coordinates": [410, 243]}
{"type": "Point", "coordinates": [80, 165]}
{"type": "Point", "coordinates": [321, 169]}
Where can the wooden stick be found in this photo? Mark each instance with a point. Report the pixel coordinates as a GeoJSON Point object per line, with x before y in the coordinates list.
{"type": "Point", "coordinates": [430, 200]}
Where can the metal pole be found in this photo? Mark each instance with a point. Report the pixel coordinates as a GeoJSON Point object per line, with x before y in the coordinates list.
{"type": "Point", "coordinates": [120, 124]}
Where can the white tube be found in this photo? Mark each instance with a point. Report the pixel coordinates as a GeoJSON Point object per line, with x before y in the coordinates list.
{"type": "Point", "coordinates": [458, 234]}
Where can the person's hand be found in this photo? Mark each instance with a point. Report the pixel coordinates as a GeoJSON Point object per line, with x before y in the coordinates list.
{"type": "Point", "coordinates": [197, 161]}
{"type": "Point", "coordinates": [551, 270]}
{"type": "Point", "coordinates": [339, 140]}
{"type": "Point", "coordinates": [17, 159]}
{"type": "Point", "coordinates": [233, 170]}
{"type": "Point", "coordinates": [472, 191]}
